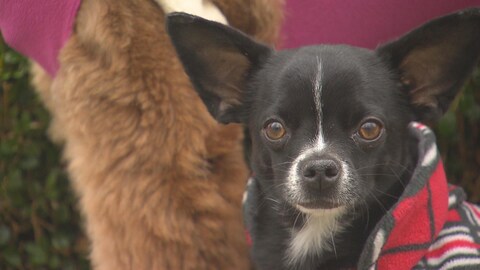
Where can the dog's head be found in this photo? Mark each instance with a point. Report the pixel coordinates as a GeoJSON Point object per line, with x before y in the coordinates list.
{"type": "Point", "coordinates": [328, 124]}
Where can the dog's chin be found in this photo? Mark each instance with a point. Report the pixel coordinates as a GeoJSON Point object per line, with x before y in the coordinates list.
{"type": "Point", "coordinates": [318, 205]}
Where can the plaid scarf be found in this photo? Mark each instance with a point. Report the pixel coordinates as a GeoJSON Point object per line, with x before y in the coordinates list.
{"type": "Point", "coordinates": [431, 226]}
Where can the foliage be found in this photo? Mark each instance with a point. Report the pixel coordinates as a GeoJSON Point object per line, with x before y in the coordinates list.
{"type": "Point", "coordinates": [459, 139]}
{"type": "Point", "coordinates": [39, 224]}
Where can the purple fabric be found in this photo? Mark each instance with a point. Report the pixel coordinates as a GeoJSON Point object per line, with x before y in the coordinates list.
{"type": "Point", "coordinates": [360, 23]}
{"type": "Point", "coordinates": [38, 28]}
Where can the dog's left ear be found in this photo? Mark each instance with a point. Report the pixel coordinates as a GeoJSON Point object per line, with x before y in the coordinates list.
{"type": "Point", "coordinates": [219, 61]}
{"type": "Point", "coordinates": [434, 60]}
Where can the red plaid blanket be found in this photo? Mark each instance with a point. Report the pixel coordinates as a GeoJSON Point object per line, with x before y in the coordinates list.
{"type": "Point", "coordinates": [431, 227]}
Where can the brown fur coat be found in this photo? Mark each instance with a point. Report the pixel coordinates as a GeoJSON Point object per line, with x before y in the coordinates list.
{"type": "Point", "coordinates": [159, 182]}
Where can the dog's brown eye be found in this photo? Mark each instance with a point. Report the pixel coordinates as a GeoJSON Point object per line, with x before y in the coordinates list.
{"type": "Point", "coordinates": [370, 130]}
{"type": "Point", "coordinates": [275, 131]}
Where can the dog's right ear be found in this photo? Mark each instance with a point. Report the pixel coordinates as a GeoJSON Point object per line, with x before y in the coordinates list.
{"type": "Point", "coordinates": [434, 60]}
{"type": "Point", "coordinates": [219, 61]}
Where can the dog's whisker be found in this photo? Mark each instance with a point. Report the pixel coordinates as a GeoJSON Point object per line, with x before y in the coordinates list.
{"type": "Point", "coordinates": [386, 193]}
{"type": "Point", "coordinates": [279, 206]}
{"type": "Point", "coordinates": [296, 219]}
{"type": "Point", "coordinates": [367, 210]}
{"type": "Point", "coordinates": [282, 163]}
{"type": "Point", "coordinates": [386, 165]}
{"type": "Point", "coordinates": [398, 177]}
{"type": "Point", "coordinates": [333, 239]}
{"type": "Point", "coordinates": [377, 174]}
{"type": "Point", "coordinates": [378, 201]}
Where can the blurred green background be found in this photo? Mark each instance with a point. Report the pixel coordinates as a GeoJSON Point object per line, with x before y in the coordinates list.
{"type": "Point", "coordinates": [40, 226]}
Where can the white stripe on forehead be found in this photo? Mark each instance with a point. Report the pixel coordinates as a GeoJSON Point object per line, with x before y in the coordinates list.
{"type": "Point", "coordinates": [318, 144]}
{"type": "Point", "coordinates": [317, 96]}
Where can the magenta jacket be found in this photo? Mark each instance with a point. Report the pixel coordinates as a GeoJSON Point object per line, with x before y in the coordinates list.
{"type": "Point", "coordinates": [39, 28]}
{"type": "Point", "coordinates": [364, 23]}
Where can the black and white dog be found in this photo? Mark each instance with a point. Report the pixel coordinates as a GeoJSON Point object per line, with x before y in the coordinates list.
{"type": "Point", "coordinates": [330, 146]}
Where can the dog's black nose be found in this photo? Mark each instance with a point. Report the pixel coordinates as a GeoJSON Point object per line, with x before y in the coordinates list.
{"type": "Point", "coordinates": [320, 173]}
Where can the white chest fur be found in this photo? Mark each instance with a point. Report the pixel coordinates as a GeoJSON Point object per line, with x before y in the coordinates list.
{"type": "Point", "coordinates": [316, 235]}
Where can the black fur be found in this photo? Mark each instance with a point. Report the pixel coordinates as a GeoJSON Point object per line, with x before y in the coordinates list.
{"type": "Point", "coordinates": [240, 80]}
